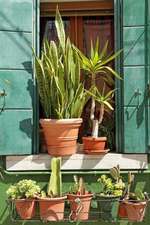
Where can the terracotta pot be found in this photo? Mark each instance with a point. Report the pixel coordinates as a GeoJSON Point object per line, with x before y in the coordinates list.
{"type": "Point", "coordinates": [25, 208]}
{"type": "Point", "coordinates": [61, 135]}
{"type": "Point", "coordinates": [122, 213]}
{"type": "Point", "coordinates": [80, 206]}
{"type": "Point", "coordinates": [52, 209]}
{"type": "Point", "coordinates": [135, 210]}
{"type": "Point", "coordinates": [94, 145]}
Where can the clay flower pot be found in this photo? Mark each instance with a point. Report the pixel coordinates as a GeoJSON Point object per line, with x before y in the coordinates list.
{"type": "Point", "coordinates": [93, 145]}
{"type": "Point", "coordinates": [52, 209]}
{"type": "Point", "coordinates": [25, 208]}
{"type": "Point", "coordinates": [61, 135]}
{"type": "Point", "coordinates": [80, 206]}
{"type": "Point", "coordinates": [135, 210]}
{"type": "Point", "coordinates": [122, 213]}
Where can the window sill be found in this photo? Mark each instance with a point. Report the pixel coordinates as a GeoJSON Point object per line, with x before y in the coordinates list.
{"type": "Point", "coordinates": [78, 162]}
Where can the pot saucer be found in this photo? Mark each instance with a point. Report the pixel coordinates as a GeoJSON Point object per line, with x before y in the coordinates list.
{"type": "Point", "coordinates": [96, 152]}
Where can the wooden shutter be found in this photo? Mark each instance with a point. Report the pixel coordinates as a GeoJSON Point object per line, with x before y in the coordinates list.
{"type": "Point", "coordinates": [132, 106]}
{"type": "Point", "coordinates": [18, 33]}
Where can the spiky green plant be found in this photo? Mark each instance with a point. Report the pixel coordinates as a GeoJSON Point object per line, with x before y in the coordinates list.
{"type": "Point", "coordinates": [97, 65]}
{"type": "Point", "coordinates": [55, 183]}
{"type": "Point", "coordinates": [61, 92]}
{"type": "Point", "coordinates": [79, 186]}
{"type": "Point", "coordinates": [137, 195]}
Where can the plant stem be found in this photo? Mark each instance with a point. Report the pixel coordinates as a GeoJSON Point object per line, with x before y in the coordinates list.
{"type": "Point", "coordinates": [92, 109]}
{"type": "Point", "coordinates": [94, 122]}
{"type": "Point", "coordinates": [101, 114]}
{"type": "Point", "coordinates": [95, 125]}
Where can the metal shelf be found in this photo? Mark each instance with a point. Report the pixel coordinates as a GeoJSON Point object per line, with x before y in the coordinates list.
{"type": "Point", "coordinates": [95, 214]}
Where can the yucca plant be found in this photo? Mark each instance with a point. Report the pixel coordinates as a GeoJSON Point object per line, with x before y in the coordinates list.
{"type": "Point", "coordinates": [61, 92]}
{"type": "Point", "coordinates": [97, 65]}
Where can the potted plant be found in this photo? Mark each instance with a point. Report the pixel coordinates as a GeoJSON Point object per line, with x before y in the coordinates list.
{"type": "Point", "coordinates": [98, 65]}
{"type": "Point", "coordinates": [24, 194]}
{"type": "Point", "coordinates": [61, 92]}
{"type": "Point", "coordinates": [52, 204]}
{"type": "Point", "coordinates": [134, 203]}
{"type": "Point", "coordinates": [112, 188]}
{"type": "Point", "coordinates": [80, 200]}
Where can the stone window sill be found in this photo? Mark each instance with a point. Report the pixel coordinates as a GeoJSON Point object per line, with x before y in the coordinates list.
{"type": "Point", "coordinates": [78, 162]}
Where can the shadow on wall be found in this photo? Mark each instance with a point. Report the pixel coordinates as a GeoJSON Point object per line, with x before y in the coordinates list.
{"type": "Point", "coordinates": [26, 126]}
{"type": "Point", "coordinates": [139, 109]}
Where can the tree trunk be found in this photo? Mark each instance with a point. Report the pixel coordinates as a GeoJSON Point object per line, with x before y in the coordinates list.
{"type": "Point", "coordinates": [95, 128]}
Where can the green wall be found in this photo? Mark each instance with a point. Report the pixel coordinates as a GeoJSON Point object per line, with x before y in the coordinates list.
{"type": "Point", "coordinates": [142, 181]}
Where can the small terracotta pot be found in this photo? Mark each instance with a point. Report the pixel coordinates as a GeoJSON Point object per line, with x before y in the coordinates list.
{"type": "Point", "coordinates": [52, 209]}
{"type": "Point", "coordinates": [94, 145]}
{"type": "Point", "coordinates": [80, 206]}
{"type": "Point", "coordinates": [122, 213]}
{"type": "Point", "coordinates": [135, 210]}
{"type": "Point", "coordinates": [61, 135]}
{"type": "Point", "coordinates": [25, 208]}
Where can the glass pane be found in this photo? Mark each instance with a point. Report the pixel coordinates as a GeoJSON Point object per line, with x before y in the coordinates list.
{"type": "Point", "coordinates": [50, 30]}
{"type": "Point", "coordinates": [98, 27]}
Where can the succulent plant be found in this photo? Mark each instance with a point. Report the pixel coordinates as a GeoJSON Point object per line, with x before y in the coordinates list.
{"type": "Point", "coordinates": [112, 186]}
{"type": "Point", "coordinates": [24, 189]}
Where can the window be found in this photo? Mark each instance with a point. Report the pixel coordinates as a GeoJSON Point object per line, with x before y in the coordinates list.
{"type": "Point", "coordinates": [19, 133]}
{"type": "Point", "coordinates": [84, 22]}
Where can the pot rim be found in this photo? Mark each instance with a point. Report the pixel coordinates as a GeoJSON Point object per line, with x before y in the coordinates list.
{"type": "Point", "coordinates": [132, 202]}
{"type": "Point", "coordinates": [80, 196]}
{"type": "Point", "coordinates": [90, 138]}
{"type": "Point", "coordinates": [52, 199]}
{"type": "Point", "coordinates": [61, 121]}
{"type": "Point", "coordinates": [107, 196]}
{"type": "Point", "coordinates": [24, 199]}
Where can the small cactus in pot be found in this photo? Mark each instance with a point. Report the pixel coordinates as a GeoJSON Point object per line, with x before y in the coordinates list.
{"type": "Point", "coordinates": [52, 204]}
{"type": "Point", "coordinates": [108, 199]}
{"type": "Point", "coordinates": [134, 203]}
{"type": "Point", "coordinates": [80, 200]}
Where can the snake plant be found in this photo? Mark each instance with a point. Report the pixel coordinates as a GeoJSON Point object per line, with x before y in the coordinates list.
{"type": "Point", "coordinates": [61, 92]}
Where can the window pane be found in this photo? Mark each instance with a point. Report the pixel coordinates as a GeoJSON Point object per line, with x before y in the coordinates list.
{"type": "Point", "coordinates": [98, 26]}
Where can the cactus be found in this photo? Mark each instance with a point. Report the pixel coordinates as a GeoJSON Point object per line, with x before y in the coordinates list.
{"type": "Point", "coordinates": [78, 186]}
{"type": "Point", "coordinates": [55, 183]}
{"type": "Point", "coordinates": [130, 180]}
{"type": "Point", "coordinates": [115, 173]}
{"type": "Point", "coordinates": [81, 189]}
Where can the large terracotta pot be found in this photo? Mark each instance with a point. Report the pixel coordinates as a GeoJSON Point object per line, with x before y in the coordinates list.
{"type": "Point", "coordinates": [52, 209]}
{"type": "Point", "coordinates": [93, 145]}
{"type": "Point", "coordinates": [80, 206]}
{"type": "Point", "coordinates": [61, 135]}
{"type": "Point", "coordinates": [135, 210]}
{"type": "Point", "coordinates": [25, 208]}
